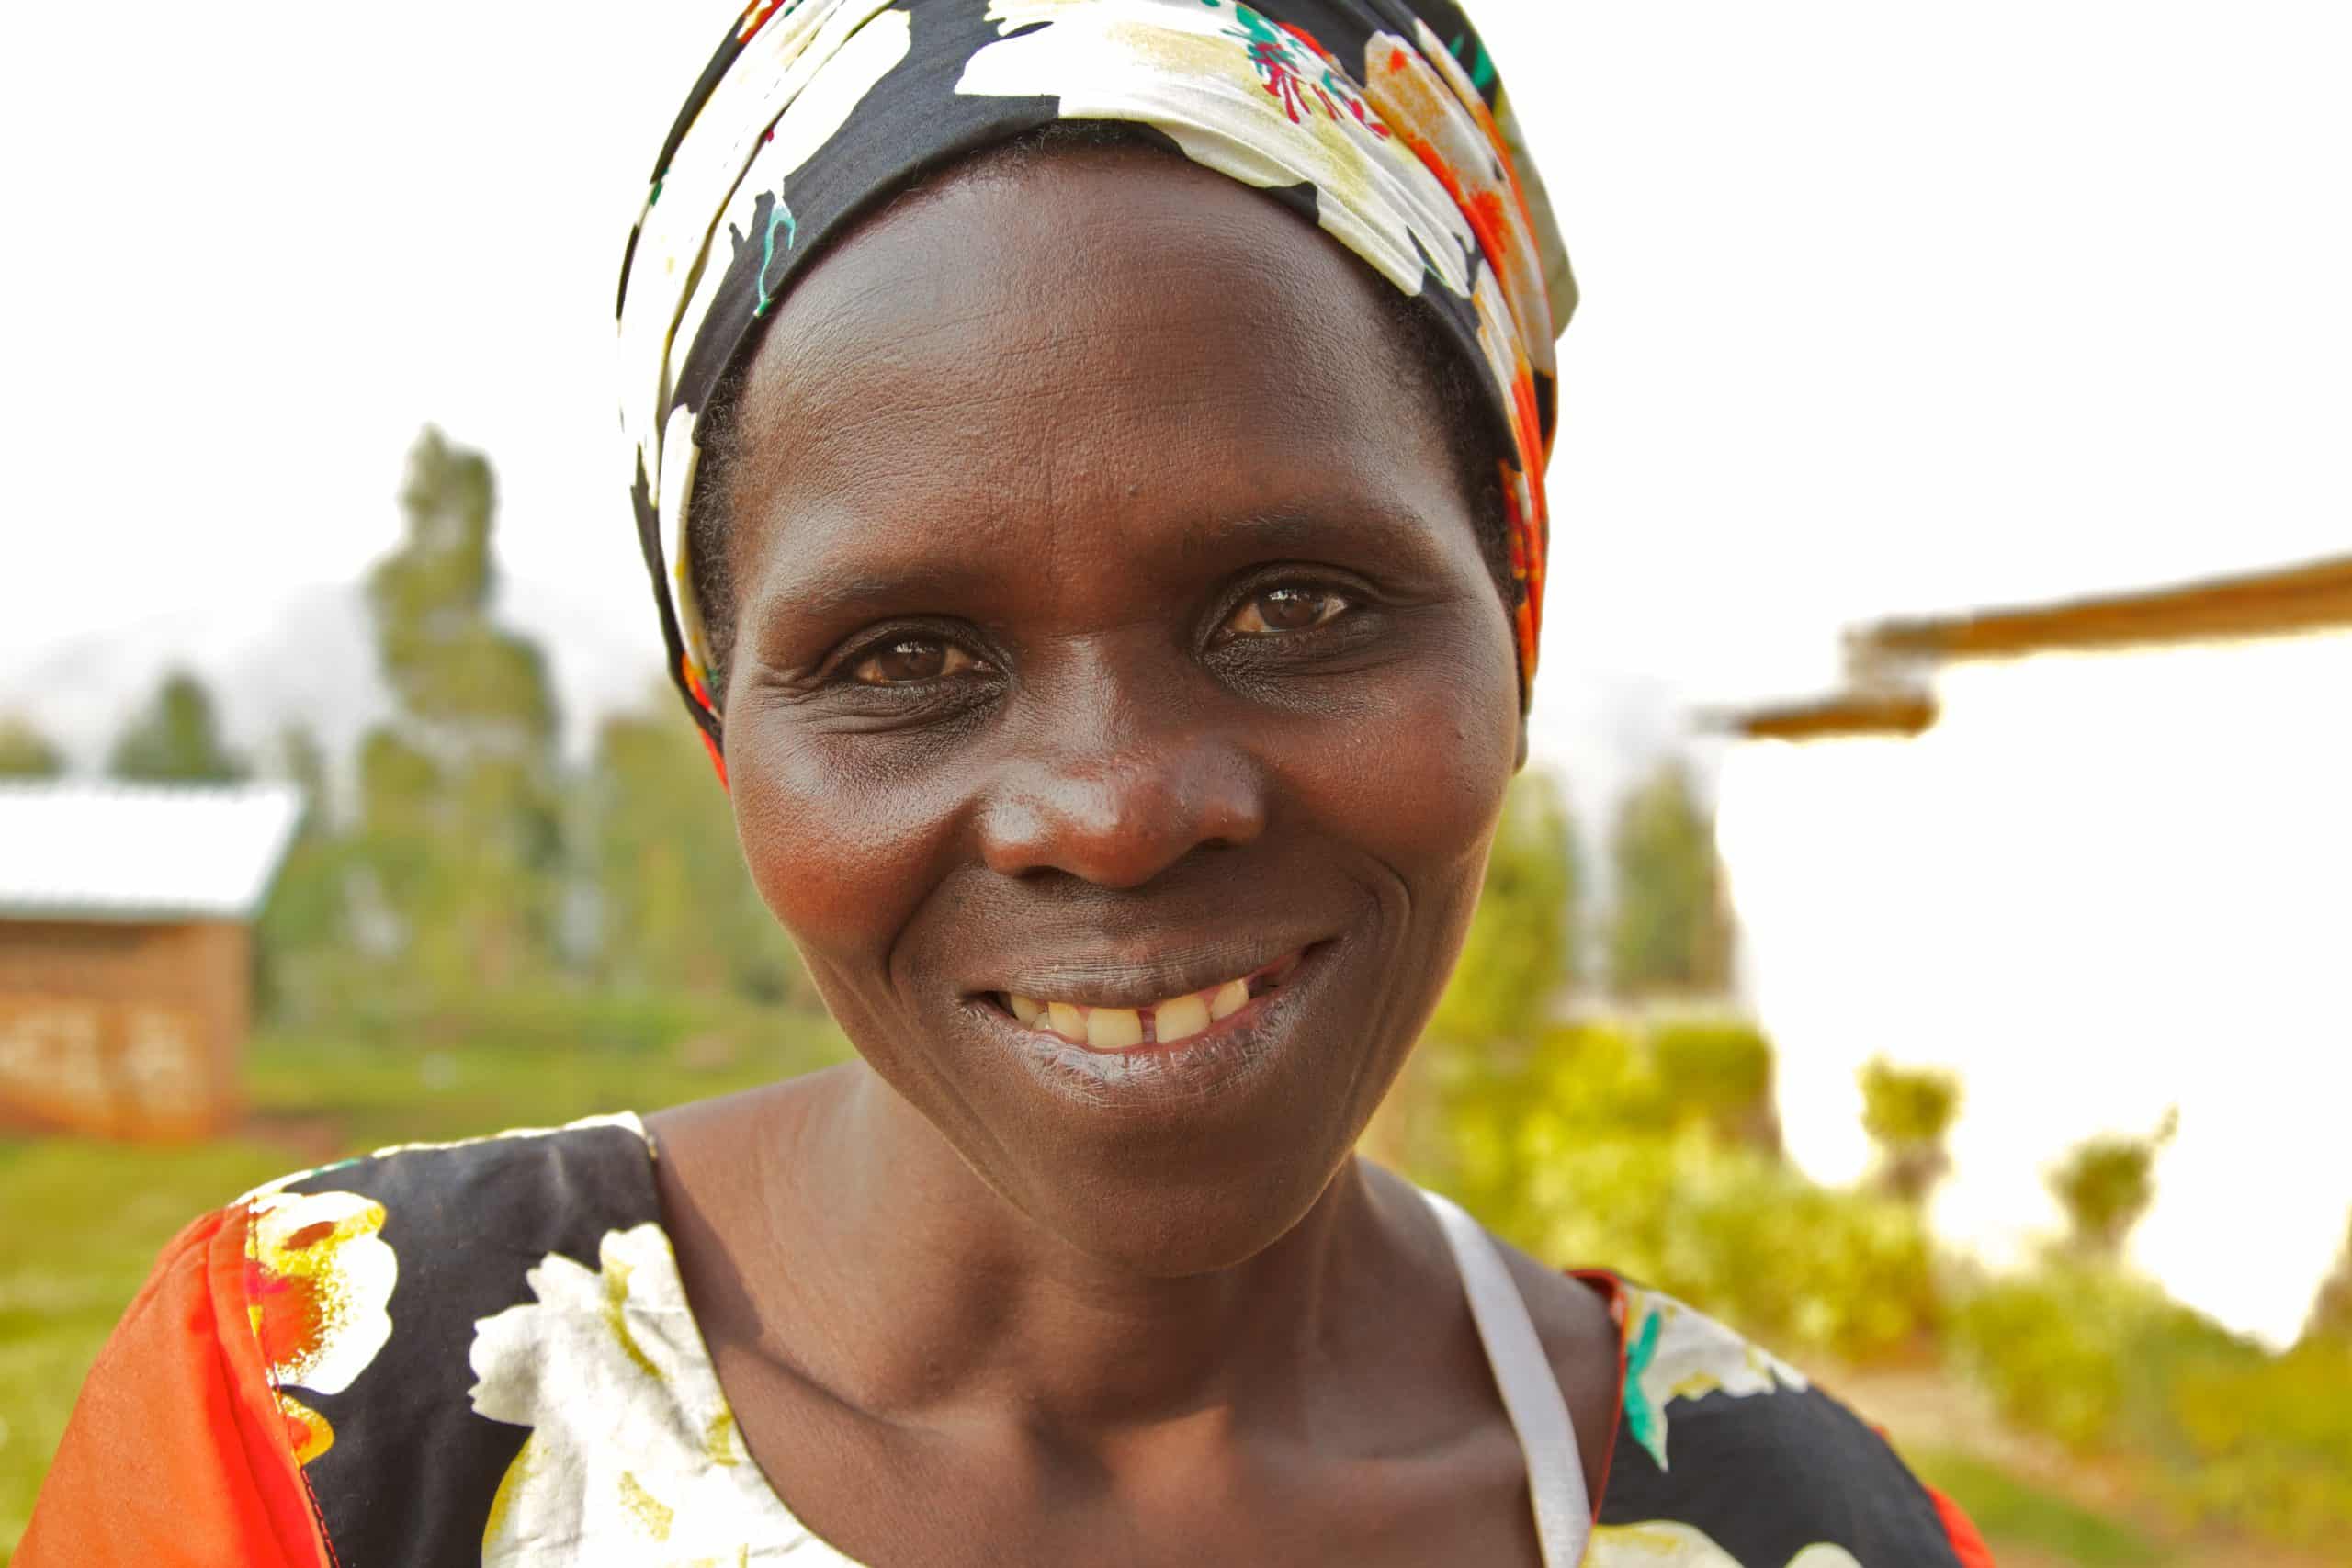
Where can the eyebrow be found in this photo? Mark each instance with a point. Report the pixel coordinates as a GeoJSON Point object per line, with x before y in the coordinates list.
{"type": "Point", "coordinates": [833, 595]}
{"type": "Point", "coordinates": [824, 596]}
{"type": "Point", "coordinates": [1301, 525]}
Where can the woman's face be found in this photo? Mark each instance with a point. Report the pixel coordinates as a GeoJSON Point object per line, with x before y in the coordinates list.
{"type": "Point", "coordinates": [1111, 627]}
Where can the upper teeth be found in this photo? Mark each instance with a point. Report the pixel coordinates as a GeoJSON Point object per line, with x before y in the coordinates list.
{"type": "Point", "coordinates": [1123, 1029]}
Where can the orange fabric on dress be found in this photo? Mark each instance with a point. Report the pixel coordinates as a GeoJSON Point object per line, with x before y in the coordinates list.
{"type": "Point", "coordinates": [176, 1453]}
{"type": "Point", "coordinates": [1966, 1544]}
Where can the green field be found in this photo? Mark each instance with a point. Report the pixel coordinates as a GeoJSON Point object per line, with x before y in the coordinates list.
{"type": "Point", "coordinates": [2014, 1512]}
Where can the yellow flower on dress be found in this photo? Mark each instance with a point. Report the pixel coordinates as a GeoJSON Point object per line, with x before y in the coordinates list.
{"type": "Point", "coordinates": [318, 1282]}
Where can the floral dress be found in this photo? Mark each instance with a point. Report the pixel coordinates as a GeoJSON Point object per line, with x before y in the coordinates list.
{"type": "Point", "coordinates": [482, 1352]}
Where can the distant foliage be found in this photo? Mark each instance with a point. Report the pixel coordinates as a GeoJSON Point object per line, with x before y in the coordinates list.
{"type": "Point", "coordinates": [1720, 1071]}
{"type": "Point", "coordinates": [1670, 928]}
{"type": "Point", "coordinates": [2104, 1362]}
{"type": "Point", "coordinates": [466, 685]}
{"type": "Point", "coordinates": [460, 848]}
{"type": "Point", "coordinates": [478, 889]}
{"type": "Point", "coordinates": [303, 940]}
{"type": "Point", "coordinates": [1521, 953]}
{"type": "Point", "coordinates": [175, 739]}
{"type": "Point", "coordinates": [2106, 1185]}
{"type": "Point", "coordinates": [25, 752]}
{"type": "Point", "coordinates": [1640, 1148]}
{"type": "Point", "coordinates": [676, 908]}
{"type": "Point", "coordinates": [2331, 1314]}
{"type": "Point", "coordinates": [1908, 1113]}
{"type": "Point", "coordinates": [2046, 1346]}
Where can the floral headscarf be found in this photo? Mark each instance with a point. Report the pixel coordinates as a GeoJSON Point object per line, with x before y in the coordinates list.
{"type": "Point", "coordinates": [1381, 120]}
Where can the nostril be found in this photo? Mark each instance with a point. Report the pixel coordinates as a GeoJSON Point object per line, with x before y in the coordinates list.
{"type": "Point", "coordinates": [1119, 821]}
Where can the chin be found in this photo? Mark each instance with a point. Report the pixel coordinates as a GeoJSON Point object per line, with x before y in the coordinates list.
{"type": "Point", "coordinates": [1196, 1218]}
{"type": "Point", "coordinates": [1176, 1157]}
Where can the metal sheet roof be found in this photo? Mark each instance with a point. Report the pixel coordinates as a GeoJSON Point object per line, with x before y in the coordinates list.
{"type": "Point", "coordinates": [76, 849]}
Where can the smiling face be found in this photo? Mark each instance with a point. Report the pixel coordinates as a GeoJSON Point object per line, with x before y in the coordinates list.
{"type": "Point", "coordinates": [1112, 631]}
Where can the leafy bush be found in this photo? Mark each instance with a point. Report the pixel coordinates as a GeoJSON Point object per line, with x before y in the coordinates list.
{"type": "Point", "coordinates": [2106, 1183]}
{"type": "Point", "coordinates": [2268, 1439]}
{"type": "Point", "coordinates": [1521, 946]}
{"type": "Point", "coordinates": [2331, 1314]}
{"type": "Point", "coordinates": [2045, 1347]}
{"type": "Point", "coordinates": [1606, 1144]}
{"type": "Point", "coordinates": [1718, 1073]}
{"type": "Point", "coordinates": [1908, 1112]}
{"type": "Point", "coordinates": [2105, 1362]}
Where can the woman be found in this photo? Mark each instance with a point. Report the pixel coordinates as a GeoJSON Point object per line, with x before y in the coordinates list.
{"type": "Point", "coordinates": [1111, 594]}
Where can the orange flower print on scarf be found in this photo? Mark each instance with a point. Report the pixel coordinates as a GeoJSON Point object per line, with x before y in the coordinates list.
{"type": "Point", "coordinates": [318, 1280]}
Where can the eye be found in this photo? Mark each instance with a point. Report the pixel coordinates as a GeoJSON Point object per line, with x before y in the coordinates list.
{"type": "Point", "coordinates": [1294, 607]}
{"type": "Point", "coordinates": [909, 660]}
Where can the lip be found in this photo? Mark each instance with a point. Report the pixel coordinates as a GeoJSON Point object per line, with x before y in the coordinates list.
{"type": "Point", "coordinates": [1226, 1057]}
{"type": "Point", "coordinates": [1265, 982]}
{"type": "Point", "coordinates": [1115, 980]}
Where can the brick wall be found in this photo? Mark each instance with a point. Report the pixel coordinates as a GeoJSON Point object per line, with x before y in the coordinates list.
{"type": "Point", "coordinates": [123, 1029]}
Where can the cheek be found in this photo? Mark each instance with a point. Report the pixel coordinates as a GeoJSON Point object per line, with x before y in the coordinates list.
{"type": "Point", "coordinates": [840, 859]}
{"type": "Point", "coordinates": [1416, 779]}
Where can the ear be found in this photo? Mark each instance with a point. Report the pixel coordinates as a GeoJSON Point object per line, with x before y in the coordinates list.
{"type": "Point", "coordinates": [1520, 762]}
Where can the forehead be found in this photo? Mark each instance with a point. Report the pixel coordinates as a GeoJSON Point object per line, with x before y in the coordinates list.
{"type": "Point", "coordinates": [1104, 339]}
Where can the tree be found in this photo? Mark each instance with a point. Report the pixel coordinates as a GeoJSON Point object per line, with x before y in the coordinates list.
{"type": "Point", "coordinates": [1518, 958]}
{"type": "Point", "coordinates": [1669, 931]}
{"type": "Point", "coordinates": [2106, 1184]}
{"type": "Point", "coordinates": [677, 910]}
{"type": "Point", "coordinates": [465, 686]}
{"type": "Point", "coordinates": [302, 939]}
{"type": "Point", "coordinates": [1717, 1074]}
{"type": "Point", "coordinates": [177, 738]}
{"type": "Point", "coordinates": [25, 752]}
{"type": "Point", "coordinates": [2331, 1314]}
{"type": "Point", "coordinates": [459, 826]}
{"type": "Point", "coordinates": [1521, 950]}
{"type": "Point", "coordinates": [1908, 1113]}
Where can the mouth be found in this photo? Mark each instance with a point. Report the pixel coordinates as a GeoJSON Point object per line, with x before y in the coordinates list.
{"type": "Point", "coordinates": [1186, 1019]}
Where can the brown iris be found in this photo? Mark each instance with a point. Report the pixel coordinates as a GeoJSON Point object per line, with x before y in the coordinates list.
{"type": "Point", "coordinates": [907, 660]}
{"type": "Point", "coordinates": [1287, 609]}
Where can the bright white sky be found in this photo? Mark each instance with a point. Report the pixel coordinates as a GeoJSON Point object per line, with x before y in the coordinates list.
{"type": "Point", "coordinates": [1887, 308]}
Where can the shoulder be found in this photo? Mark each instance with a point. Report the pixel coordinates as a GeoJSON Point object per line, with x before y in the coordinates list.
{"type": "Point", "coordinates": [370, 1286]}
{"type": "Point", "coordinates": [1729, 1456]}
{"type": "Point", "coordinates": [477, 1182]}
{"type": "Point", "coordinates": [177, 1401]}
{"type": "Point", "coordinates": [1576, 1324]}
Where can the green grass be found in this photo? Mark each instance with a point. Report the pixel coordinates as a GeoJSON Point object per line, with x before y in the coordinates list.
{"type": "Point", "coordinates": [2012, 1512]}
{"type": "Point", "coordinates": [80, 1222]}
{"type": "Point", "coordinates": [376, 1096]}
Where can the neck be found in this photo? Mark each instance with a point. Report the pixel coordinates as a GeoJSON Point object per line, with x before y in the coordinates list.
{"type": "Point", "coordinates": [931, 1296]}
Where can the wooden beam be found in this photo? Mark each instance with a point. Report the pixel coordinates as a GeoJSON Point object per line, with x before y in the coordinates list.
{"type": "Point", "coordinates": [2311, 597]}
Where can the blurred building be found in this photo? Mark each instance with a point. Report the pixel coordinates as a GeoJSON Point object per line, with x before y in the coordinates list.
{"type": "Point", "coordinates": [2096, 856]}
{"type": "Point", "coordinates": [126, 949]}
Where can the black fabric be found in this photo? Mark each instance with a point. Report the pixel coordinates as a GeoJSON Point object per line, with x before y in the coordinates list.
{"type": "Point", "coordinates": [410, 1478]}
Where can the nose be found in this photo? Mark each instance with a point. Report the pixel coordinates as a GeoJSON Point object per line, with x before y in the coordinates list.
{"type": "Point", "coordinates": [1119, 812]}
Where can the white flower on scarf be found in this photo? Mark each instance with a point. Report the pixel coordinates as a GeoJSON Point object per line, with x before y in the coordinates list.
{"type": "Point", "coordinates": [1240, 96]}
{"type": "Point", "coordinates": [633, 1457]}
